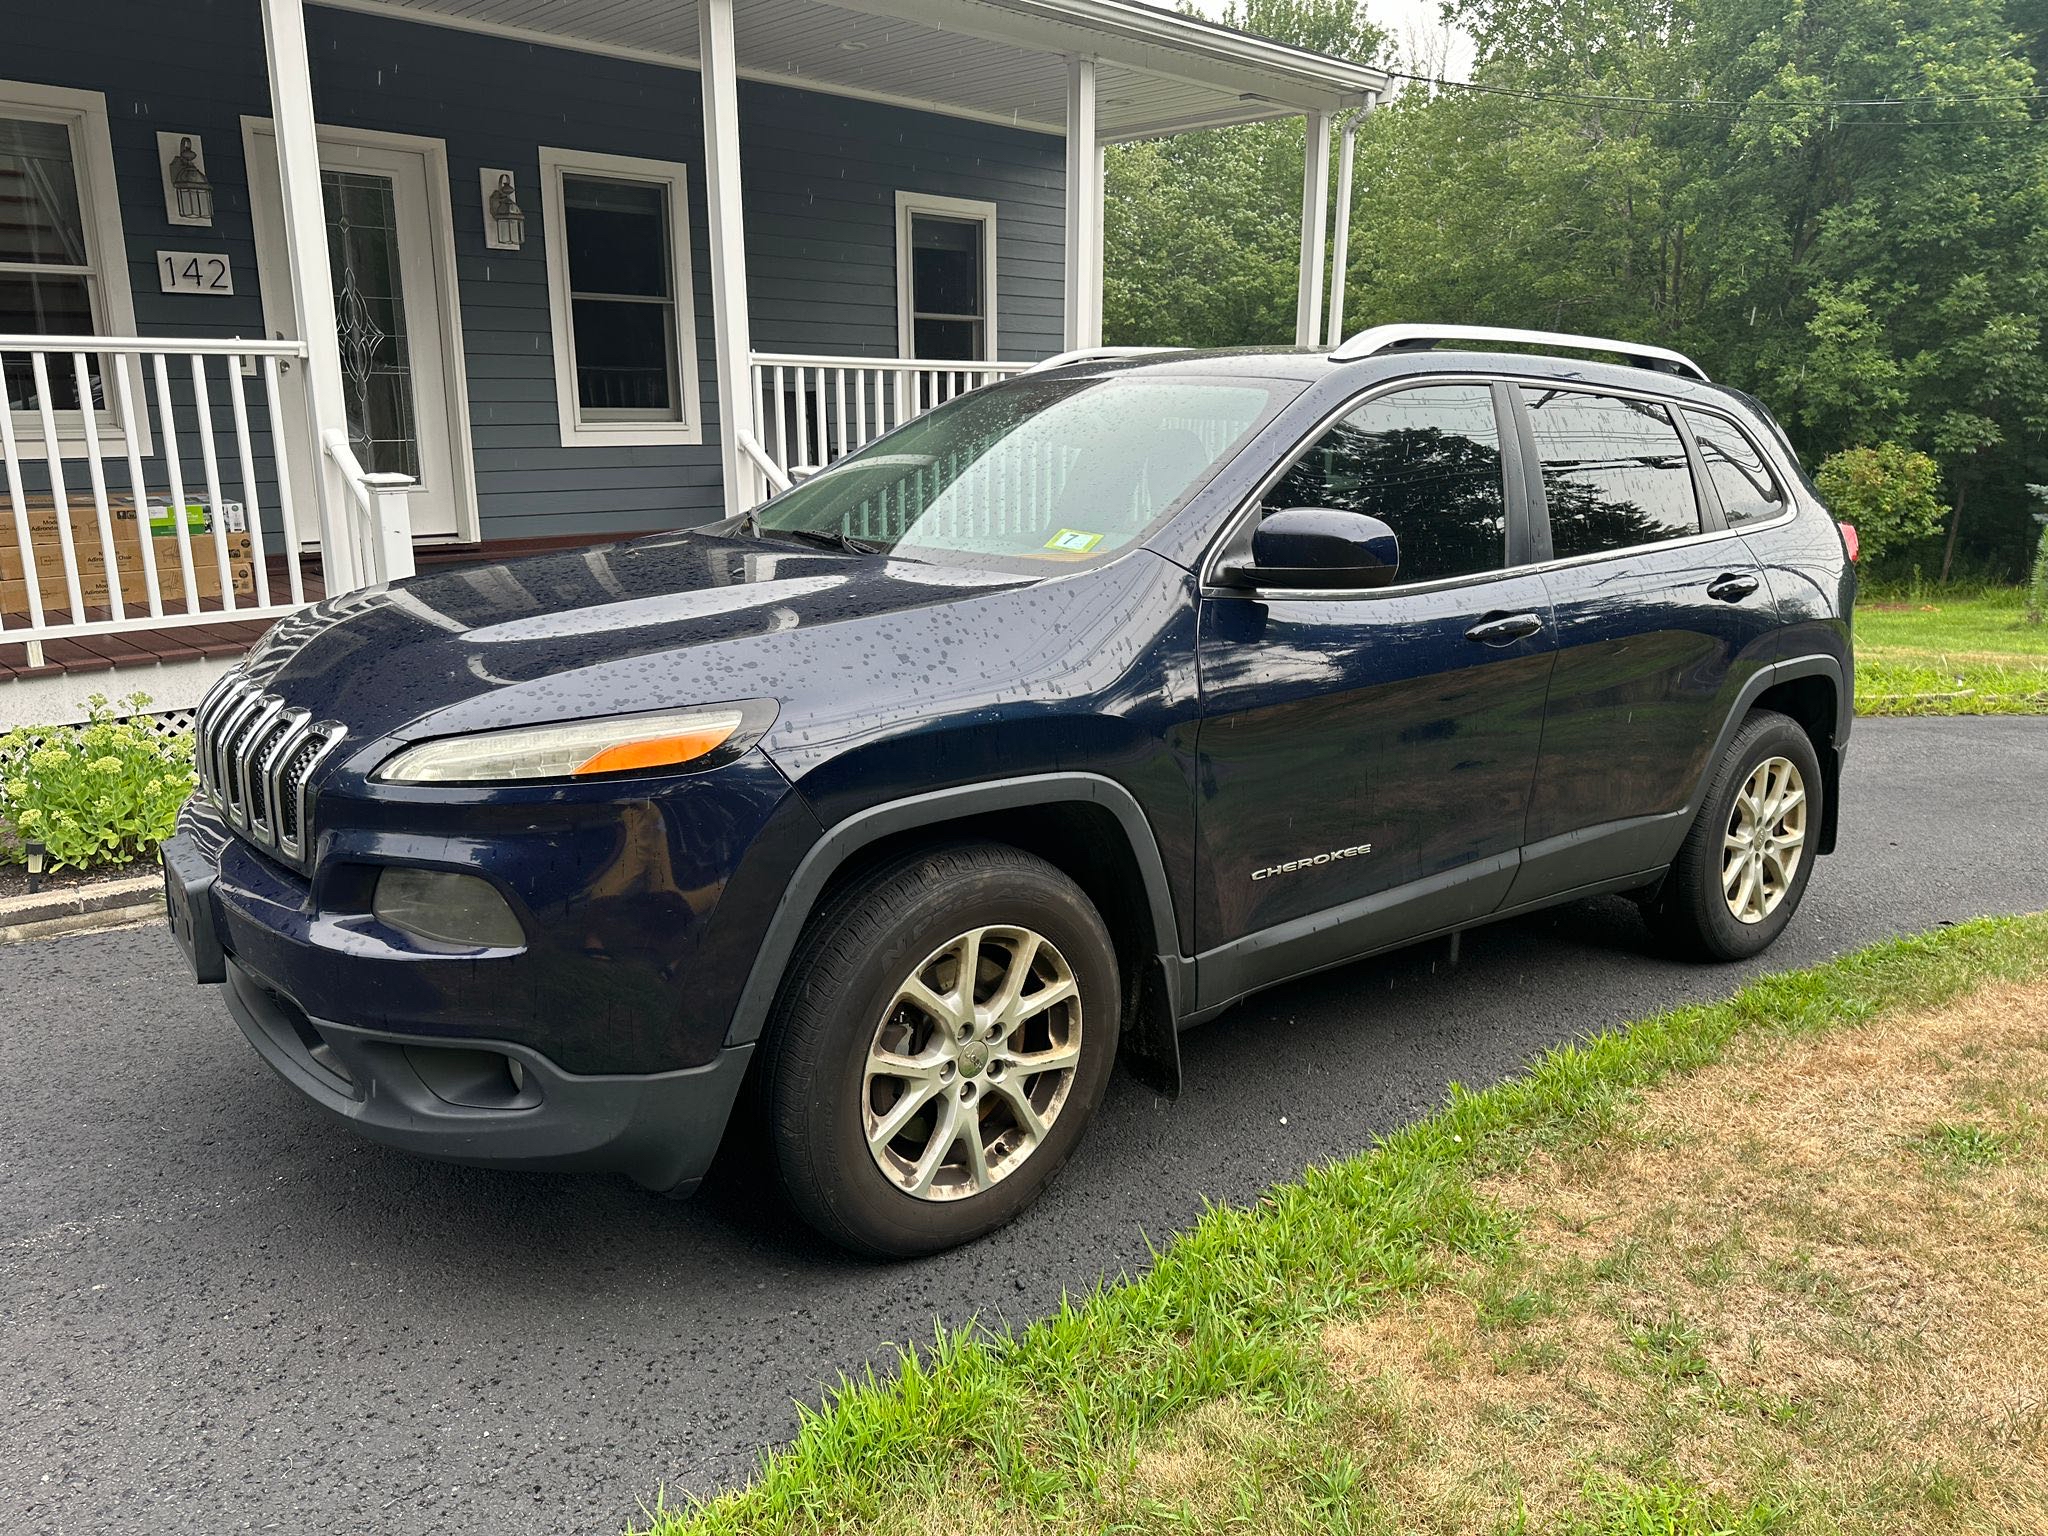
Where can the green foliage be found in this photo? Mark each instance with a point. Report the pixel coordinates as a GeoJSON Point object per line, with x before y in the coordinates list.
{"type": "Point", "coordinates": [1888, 492]}
{"type": "Point", "coordinates": [1201, 231]}
{"type": "Point", "coordinates": [1875, 273]}
{"type": "Point", "coordinates": [106, 792]}
{"type": "Point", "coordinates": [1964, 1145]}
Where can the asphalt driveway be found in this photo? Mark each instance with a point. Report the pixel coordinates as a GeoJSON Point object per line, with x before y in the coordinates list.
{"type": "Point", "coordinates": [218, 1312]}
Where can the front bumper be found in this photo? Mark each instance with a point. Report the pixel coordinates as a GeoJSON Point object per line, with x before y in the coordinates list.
{"type": "Point", "coordinates": [441, 1067]}
{"type": "Point", "coordinates": [465, 1103]}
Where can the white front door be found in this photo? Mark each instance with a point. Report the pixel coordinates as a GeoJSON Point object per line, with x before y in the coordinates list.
{"type": "Point", "coordinates": [398, 356]}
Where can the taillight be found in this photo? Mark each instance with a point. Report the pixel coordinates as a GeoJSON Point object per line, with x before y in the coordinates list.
{"type": "Point", "coordinates": [1849, 540]}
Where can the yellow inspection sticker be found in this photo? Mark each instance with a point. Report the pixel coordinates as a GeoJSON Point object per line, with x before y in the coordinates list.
{"type": "Point", "coordinates": [1074, 541]}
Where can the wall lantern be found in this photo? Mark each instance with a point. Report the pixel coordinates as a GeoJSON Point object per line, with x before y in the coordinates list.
{"type": "Point", "coordinates": [504, 219]}
{"type": "Point", "coordinates": [188, 194]}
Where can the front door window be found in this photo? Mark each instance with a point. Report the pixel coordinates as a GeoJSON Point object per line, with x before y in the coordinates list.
{"type": "Point", "coordinates": [369, 320]}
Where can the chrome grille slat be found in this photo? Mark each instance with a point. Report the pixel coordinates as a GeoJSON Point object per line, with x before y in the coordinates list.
{"type": "Point", "coordinates": [270, 772]}
{"type": "Point", "coordinates": [257, 757]}
{"type": "Point", "coordinates": [247, 741]}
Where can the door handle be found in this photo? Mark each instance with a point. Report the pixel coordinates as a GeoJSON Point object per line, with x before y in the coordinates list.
{"type": "Point", "coordinates": [1731, 587]}
{"type": "Point", "coordinates": [1505, 629]}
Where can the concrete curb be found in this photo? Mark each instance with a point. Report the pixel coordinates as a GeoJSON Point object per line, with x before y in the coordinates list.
{"type": "Point", "coordinates": [81, 908]}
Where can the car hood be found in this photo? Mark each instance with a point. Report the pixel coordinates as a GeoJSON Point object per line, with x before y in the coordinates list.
{"type": "Point", "coordinates": [646, 624]}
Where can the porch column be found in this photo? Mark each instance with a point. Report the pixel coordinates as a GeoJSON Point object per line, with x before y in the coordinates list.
{"type": "Point", "coordinates": [1083, 274]}
{"type": "Point", "coordinates": [1340, 251]}
{"type": "Point", "coordinates": [305, 239]}
{"type": "Point", "coordinates": [732, 337]}
{"type": "Point", "coordinates": [1315, 215]}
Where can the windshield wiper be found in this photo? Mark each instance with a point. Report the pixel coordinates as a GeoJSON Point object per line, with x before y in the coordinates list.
{"type": "Point", "coordinates": [828, 538]}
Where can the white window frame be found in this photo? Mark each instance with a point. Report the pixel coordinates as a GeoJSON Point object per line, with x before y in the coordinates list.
{"type": "Point", "coordinates": [107, 288]}
{"type": "Point", "coordinates": [959, 209]}
{"type": "Point", "coordinates": [577, 432]}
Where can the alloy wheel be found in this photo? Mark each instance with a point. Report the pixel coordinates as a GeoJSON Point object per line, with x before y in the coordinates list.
{"type": "Point", "coordinates": [971, 1063]}
{"type": "Point", "coordinates": [1764, 841]}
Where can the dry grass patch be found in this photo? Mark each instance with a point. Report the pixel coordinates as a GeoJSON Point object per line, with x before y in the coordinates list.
{"type": "Point", "coordinates": [1777, 1263]}
{"type": "Point", "coordinates": [1809, 1284]}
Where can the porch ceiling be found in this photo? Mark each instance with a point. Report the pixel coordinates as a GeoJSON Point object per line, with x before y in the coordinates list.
{"type": "Point", "coordinates": [1001, 60]}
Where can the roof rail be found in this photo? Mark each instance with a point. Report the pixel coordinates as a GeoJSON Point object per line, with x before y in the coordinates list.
{"type": "Point", "coordinates": [1095, 355]}
{"type": "Point", "coordinates": [1407, 338]}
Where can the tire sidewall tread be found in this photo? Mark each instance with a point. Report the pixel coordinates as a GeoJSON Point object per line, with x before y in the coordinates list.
{"type": "Point", "coordinates": [1692, 914]}
{"type": "Point", "coordinates": [866, 937]}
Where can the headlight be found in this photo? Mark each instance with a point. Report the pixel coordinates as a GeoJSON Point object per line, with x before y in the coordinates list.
{"type": "Point", "coordinates": [580, 749]}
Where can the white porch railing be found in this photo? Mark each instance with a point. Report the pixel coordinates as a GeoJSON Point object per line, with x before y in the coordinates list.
{"type": "Point", "coordinates": [381, 530]}
{"type": "Point", "coordinates": [149, 485]}
{"type": "Point", "coordinates": [813, 410]}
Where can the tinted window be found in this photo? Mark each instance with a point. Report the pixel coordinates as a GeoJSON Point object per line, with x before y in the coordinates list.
{"type": "Point", "coordinates": [1427, 463]}
{"type": "Point", "coordinates": [1748, 490]}
{"type": "Point", "coordinates": [1614, 472]}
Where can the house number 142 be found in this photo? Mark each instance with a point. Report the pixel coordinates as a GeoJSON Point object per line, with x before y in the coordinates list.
{"type": "Point", "coordinates": [194, 272]}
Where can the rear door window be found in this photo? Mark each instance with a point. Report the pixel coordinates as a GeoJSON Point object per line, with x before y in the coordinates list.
{"type": "Point", "coordinates": [1426, 462]}
{"type": "Point", "coordinates": [1615, 472]}
{"type": "Point", "coordinates": [1740, 474]}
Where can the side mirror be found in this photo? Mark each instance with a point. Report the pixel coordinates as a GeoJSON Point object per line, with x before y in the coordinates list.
{"type": "Point", "coordinates": [1322, 547]}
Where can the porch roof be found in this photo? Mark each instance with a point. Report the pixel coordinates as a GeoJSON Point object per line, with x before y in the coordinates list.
{"type": "Point", "coordinates": [1158, 71]}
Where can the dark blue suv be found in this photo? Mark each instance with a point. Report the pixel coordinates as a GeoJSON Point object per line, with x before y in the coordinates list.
{"type": "Point", "coordinates": [1042, 727]}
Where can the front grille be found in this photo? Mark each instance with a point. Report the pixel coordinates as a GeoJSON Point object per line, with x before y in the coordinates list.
{"type": "Point", "coordinates": [256, 757]}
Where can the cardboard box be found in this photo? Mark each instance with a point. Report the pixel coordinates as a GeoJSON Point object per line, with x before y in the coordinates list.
{"type": "Point", "coordinates": [95, 582]}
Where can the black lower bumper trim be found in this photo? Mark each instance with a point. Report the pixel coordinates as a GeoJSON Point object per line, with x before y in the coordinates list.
{"type": "Point", "coordinates": [492, 1103]}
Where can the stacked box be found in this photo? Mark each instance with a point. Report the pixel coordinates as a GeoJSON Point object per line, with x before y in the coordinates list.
{"type": "Point", "coordinates": [95, 582]}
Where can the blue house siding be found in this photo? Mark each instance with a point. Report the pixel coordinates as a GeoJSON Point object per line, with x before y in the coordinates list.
{"type": "Point", "coordinates": [821, 176]}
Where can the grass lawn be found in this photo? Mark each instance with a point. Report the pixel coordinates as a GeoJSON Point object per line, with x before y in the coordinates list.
{"type": "Point", "coordinates": [1778, 1264]}
{"type": "Point", "coordinates": [1941, 655]}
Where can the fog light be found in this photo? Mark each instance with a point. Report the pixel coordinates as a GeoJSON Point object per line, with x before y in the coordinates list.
{"type": "Point", "coordinates": [447, 908]}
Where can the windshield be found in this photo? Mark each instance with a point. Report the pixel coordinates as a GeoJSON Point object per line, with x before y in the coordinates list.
{"type": "Point", "coordinates": [1045, 469]}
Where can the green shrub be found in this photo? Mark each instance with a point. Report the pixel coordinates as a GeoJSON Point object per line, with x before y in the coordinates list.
{"type": "Point", "coordinates": [1888, 492]}
{"type": "Point", "coordinates": [106, 792]}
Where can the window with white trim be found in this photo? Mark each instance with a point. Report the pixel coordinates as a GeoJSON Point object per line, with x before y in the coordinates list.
{"type": "Point", "coordinates": [945, 276]}
{"type": "Point", "coordinates": [618, 244]}
{"type": "Point", "coordinates": [61, 252]}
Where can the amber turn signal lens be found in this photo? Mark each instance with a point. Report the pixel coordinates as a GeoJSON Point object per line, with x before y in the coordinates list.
{"type": "Point", "coordinates": [660, 752]}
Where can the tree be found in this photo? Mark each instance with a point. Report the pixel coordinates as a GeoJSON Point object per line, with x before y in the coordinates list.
{"type": "Point", "coordinates": [1201, 231]}
{"type": "Point", "coordinates": [1840, 205]}
{"type": "Point", "coordinates": [1887, 492]}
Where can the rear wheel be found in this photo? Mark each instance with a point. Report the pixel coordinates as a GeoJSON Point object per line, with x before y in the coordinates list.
{"type": "Point", "coordinates": [1744, 866]}
{"type": "Point", "coordinates": [946, 1030]}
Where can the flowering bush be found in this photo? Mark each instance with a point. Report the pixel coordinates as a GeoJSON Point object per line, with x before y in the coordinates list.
{"type": "Point", "coordinates": [106, 792]}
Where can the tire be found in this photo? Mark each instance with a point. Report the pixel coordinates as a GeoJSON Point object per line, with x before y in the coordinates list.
{"type": "Point", "coordinates": [849, 1018]}
{"type": "Point", "coordinates": [1695, 907]}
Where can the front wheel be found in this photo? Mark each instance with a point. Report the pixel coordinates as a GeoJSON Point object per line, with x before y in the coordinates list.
{"type": "Point", "coordinates": [946, 1030]}
{"type": "Point", "coordinates": [1744, 866]}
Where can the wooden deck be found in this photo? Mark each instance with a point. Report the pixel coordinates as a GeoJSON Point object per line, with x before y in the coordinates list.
{"type": "Point", "coordinates": [224, 636]}
{"type": "Point", "coordinates": [229, 636]}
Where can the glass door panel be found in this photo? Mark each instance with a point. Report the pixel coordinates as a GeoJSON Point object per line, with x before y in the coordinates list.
{"type": "Point", "coordinates": [369, 320]}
